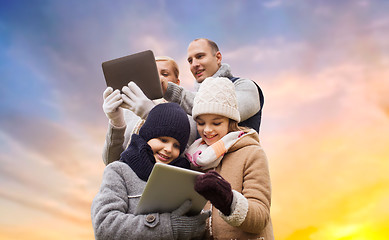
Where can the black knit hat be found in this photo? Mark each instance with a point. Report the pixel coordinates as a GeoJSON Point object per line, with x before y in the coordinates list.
{"type": "Point", "coordinates": [167, 120]}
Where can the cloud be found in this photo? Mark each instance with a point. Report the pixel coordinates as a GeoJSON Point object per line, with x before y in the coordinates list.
{"type": "Point", "coordinates": [325, 82]}
{"type": "Point", "coordinates": [45, 138]}
{"type": "Point", "coordinates": [314, 79]}
{"type": "Point", "coordinates": [61, 166]}
{"type": "Point", "coordinates": [378, 90]}
{"type": "Point", "coordinates": [57, 184]}
{"type": "Point", "coordinates": [272, 4]}
{"type": "Point", "coordinates": [67, 57]}
{"type": "Point", "coordinates": [49, 207]}
{"type": "Point", "coordinates": [331, 166]}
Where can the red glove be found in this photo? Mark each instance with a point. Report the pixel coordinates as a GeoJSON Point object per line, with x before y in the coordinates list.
{"type": "Point", "coordinates": [216, 189]}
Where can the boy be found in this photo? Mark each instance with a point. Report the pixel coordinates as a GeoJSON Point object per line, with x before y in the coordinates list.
{"type": "Point", "coordinates": [162, 138]}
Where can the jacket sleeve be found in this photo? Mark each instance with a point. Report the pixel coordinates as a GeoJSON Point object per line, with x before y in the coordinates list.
{"type": "Point", "coordinates": [257, 191]}
{"type": "Point", "coordinates": [178, 94]}
{"type": "Point", "coordinates": [248, 98]}
{"type": "Point", "coordinates": [114, 143]}
{"type": "Point", "coordinates": [110, 216]}
{"type": "Point", "coordinates": [117, 138]}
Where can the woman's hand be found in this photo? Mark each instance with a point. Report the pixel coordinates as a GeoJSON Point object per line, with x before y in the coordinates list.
{"type": "Point", "coordinates": [111, 106]}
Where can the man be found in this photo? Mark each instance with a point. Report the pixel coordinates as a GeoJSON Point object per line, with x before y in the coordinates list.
{"type": "Point", "coordinates": [205, 60]}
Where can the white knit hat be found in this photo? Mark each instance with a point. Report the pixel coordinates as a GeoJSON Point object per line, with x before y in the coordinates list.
{"type": "Point", "coordinates": [216, 96]}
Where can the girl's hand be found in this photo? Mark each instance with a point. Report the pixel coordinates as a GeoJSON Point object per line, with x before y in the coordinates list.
{"type": "Point", "coordinates": [216, 189]}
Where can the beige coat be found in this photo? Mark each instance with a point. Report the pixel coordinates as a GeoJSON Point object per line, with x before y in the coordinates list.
{"type": "Point", "coordinates": [245, 167]}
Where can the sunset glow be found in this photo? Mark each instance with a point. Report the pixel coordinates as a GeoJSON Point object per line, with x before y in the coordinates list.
{"type": "Point", "coordinates": [323, 67]}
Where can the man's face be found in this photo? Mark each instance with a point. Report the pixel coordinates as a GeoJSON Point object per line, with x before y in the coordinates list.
{"type": "Point", "coordinates": [203, 63]}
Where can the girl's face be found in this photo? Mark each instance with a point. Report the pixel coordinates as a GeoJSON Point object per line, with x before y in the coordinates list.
{"type": "Point", "coordinates": [165, 149]}
{"type": "Point", "coordinates": [212, 127]}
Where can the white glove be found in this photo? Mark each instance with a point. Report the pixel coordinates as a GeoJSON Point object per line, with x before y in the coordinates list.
{"type": "Point", "coordinates": [136, 101]}
{"type": "Point", "coordinates": [112, 101]}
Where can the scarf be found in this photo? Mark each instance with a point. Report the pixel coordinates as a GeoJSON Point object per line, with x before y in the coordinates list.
{"type": "Point", "coordinates": [206, 157]}
{"type": "Point", "coordinates": [140, 157]}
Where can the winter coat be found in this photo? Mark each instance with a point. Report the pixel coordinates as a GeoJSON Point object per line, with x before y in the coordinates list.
{"type": "Point", "coordinates": [246, 93]}
{"type": "Point", "coordinates": [245, 167]}
{"type": "Point", "coordinates": [113, 207]}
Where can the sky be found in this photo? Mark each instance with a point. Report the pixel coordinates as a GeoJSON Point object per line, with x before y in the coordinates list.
{"type": "Point", "coordinates": [323, 67]}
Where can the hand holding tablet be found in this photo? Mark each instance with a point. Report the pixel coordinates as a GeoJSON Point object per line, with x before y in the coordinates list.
{"type": "Point", "coordinates": [168, 188]}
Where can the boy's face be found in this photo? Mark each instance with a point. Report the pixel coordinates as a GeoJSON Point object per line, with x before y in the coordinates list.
{"type": "Point", "coordinates": [165, 149]}
{"type": "Point", "coordinates": [212, 127]}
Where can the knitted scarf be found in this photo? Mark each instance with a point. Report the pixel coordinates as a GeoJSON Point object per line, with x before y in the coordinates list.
{"type": "Point", "coordinates": [206, 157]}
{"type": "Point", "coordinates": [139, 156]}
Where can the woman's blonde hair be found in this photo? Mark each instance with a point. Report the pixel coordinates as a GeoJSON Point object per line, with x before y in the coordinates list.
{"type": "Point", "coordinates": [171, 60]}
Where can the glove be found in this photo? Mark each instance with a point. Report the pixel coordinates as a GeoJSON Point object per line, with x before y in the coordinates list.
{"type": "Point", "coordinates": [216, 189]}
{"type": "Point", "coordinates": [112, 101]}
{"type": "Point", "coordinates": [188, 227]}
{"type": "Point", "coordinates": [136, 101]}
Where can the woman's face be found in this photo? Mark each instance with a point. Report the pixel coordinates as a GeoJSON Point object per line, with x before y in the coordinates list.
{"type": "Point", "coordinates": [165, 149]}
{"type": "Point", "coordinates": [166, 73]}
{"type": "Point", "coordinates": [212, 127]}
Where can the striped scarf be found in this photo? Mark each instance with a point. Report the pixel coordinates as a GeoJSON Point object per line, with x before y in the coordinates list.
{"type": "Point", "coordinates": [206, 157]}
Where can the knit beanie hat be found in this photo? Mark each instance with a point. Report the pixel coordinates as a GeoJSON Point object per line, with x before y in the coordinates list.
{"type": "Point", "coordinates": [216, 96]}
{"type": "Point", "coordinates": [167, 120]}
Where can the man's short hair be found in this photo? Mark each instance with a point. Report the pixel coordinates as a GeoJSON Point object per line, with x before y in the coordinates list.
{"type": "Point", "coordinates": [212, 44]}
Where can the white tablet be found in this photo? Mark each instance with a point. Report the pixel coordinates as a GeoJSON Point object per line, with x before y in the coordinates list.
{"type": "Point", "coordinates": [167, 188]}
{"type": "Point", "coordinates": [139, 68]}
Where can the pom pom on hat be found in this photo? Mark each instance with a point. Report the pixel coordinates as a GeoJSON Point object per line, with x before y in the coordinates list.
{"type": "Point", "coordinates": [167, 120]}
{"type": "Point", "coordinates": [216, 96]}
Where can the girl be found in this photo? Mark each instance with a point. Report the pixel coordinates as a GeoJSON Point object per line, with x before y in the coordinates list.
{"type": "Point", "coordinates": [162, 138]}
{"type": "Point", "coordinates": [237, 182]}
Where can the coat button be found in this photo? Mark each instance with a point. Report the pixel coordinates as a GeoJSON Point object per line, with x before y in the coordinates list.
{"type": "Point", "coordinates": [150, 218]}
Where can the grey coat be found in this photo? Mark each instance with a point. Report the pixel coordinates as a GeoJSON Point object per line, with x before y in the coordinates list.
{"type": "Point", "coordinates": [115, 203]}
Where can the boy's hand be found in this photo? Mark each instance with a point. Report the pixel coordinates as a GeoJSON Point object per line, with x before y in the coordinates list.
{"type": "Point", "coordinates": [188, 227]}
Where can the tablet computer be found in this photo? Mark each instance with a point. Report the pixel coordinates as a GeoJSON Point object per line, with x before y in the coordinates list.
{"type": "Point", "coordinates": [139, 68]}
{"type": "Point", "coordinates": [168, 188]}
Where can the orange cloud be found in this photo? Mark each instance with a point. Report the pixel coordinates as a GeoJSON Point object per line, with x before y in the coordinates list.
{"type": "Point", "coordinates": [328, 177]}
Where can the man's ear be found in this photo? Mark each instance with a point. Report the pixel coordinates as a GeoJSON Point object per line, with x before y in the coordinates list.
{"type": "Point", "coordinates": [218, 57]}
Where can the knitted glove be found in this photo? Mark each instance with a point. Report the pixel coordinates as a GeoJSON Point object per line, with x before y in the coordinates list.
{"type": "Point", "coordinates": [112, 101]}
{"type": "Point", "coordinates": [188, 227]}
{"type": "Point", "coordinates": [216, 189]}
{"type": "Point", "coordinates": [136, 101]}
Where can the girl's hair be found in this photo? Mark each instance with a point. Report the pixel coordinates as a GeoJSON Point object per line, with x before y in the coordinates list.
{"type": "Point", "coordinates": [171, 60]}
{"type": "Point", "coordinates": [233, 126]}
